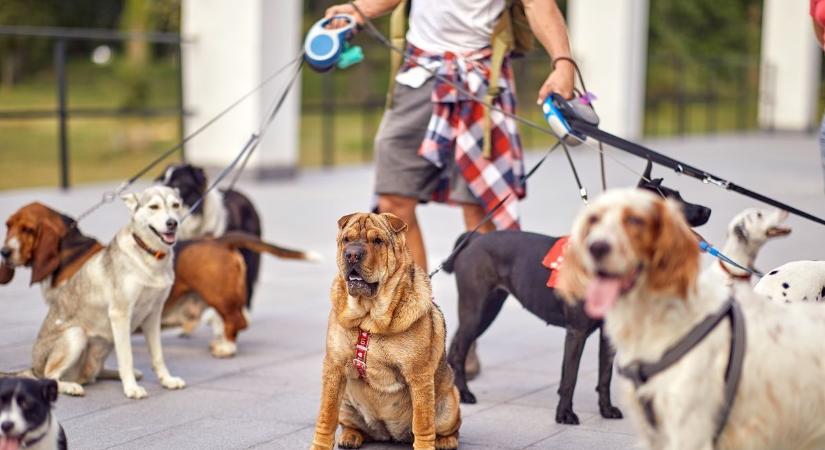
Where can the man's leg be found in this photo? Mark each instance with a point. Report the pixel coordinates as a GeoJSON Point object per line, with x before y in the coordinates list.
{"type": "Point", "coordinates": [473, 215]}
{"type": "Point", "coordinates": [404, 207]}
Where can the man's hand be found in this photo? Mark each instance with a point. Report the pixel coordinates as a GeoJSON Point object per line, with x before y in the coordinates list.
{"type": "Point", "coordinates": [344, 8]}
{"type": "Point", "coordinates": [560, 81]}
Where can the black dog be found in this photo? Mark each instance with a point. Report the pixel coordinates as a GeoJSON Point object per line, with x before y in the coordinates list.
{"type": "Point", "coordinates": [494, 265]}
{"type": "Point", "coordinates": [26, 419]}
{"type": "Point", "coordinates": [220, 211]}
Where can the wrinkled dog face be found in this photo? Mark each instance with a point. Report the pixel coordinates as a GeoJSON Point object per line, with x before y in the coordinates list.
{"type": "Point", "coordinates": [371, 247]}
{"type": "Point", "coordinates": [755, 226]}
{"type": "Point", "coordinates": [24, 406]}
{"type": "Point", "coordinates": [24, 229]}
{"type": "Point", "coordinates": [156, 213]}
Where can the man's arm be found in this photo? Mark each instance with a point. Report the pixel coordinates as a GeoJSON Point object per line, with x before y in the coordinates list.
{"type": "Point", "coordinates": [370, 8]}
{"type": "Point", "coordinates": [548, 25]}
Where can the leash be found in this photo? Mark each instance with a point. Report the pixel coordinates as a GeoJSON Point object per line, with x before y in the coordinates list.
{"type": "Point", "coordinates": [639, 372]}
{"type": "Point", "coordinates": [250, 146]}
{"type": "Point", "coordinates": [713, 251]}
{"type": "Point", "coordinates": [111, 195]}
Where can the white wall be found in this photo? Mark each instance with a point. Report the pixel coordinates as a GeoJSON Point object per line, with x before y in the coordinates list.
{"type": "Point", "coordinates": [234, 46]}
{"type": "Point", "coordinates": [789, 72]}
{"type": "Point", "coordinates": [609, 42]}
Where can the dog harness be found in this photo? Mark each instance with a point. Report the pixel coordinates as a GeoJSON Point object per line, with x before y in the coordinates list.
{"type": "Point", "coordinates": [157, 254]}
{"type": "Point", "coordinates": [639, 372]}
{"type": "Point", "coordinates": [361, 347]}
{"type": "Point", "coordinates": [554, 259]}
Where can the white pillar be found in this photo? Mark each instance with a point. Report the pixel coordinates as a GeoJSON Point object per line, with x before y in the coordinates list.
{"type": "Point", "coordinates": [234, 46]}
{"type": "Point", "coordinates": [789, 71]}
{"type": "Point", "coordinates": [609, 40]}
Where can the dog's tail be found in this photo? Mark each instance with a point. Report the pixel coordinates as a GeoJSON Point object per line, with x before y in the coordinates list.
{"type": "Point", "coordinates": [239, 239]}
{"type": "Point", "coordinates": [460, 244]}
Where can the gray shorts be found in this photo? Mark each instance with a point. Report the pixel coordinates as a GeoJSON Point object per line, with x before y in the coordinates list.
{"type": "Point", "coordinates": [399, 170]}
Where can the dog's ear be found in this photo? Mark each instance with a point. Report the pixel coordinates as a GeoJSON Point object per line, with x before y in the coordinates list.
{"type": "Point", "coordinates": [344, 220]}
{"type": "Point", "coordinates": [648, 169]}
{"type": "Point", "coordinates": [674, 264]}
{"type": "Point", "coordinates": [49, 390]}
{"type": "Point", "coordinates": [6, 273]}
{"type": "Point", "coordinates": [200, 177]}
{"type": "Point", "coordinates": [741, 232]}
{"type": "Point", "coordinates": [131, 200]}
{"type": "Point", "coordinates": [396, 224]}
{"type": "Point", "coordinates": [46, 251]}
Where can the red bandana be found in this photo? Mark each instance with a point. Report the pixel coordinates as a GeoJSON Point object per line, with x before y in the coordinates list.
{"type": "Point", "coordinates": [553, 260]}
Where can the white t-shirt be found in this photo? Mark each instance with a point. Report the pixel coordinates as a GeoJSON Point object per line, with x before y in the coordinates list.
{"type": "Point", "coordinates": [439, 26]}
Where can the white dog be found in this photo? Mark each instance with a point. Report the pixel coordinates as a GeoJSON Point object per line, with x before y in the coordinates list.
{"type": "Point", "coordinates": [747, 233]}
{"type": "Point", "coordinates": [119, 289]}
{"type": "Point", "coordinates": [794, 282]}
{"type": "Point", "coordinates": [636, 263]}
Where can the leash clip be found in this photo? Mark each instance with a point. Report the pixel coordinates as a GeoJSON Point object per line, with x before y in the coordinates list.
{"type": "Point", "coordinates": [710, 180]}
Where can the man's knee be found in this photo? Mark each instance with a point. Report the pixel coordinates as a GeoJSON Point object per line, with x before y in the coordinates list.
{"type": "Point", "coordinates": [401, 206]}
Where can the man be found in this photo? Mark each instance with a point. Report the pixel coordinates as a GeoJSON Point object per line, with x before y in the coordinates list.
{"type": "Point", "coordinates": [430, 144]}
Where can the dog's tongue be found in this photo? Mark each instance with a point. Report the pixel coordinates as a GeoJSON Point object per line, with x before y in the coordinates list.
{"type": "Point", "coordinates": [601, 295]}
{"type": "Point", "coordinates": [9, 443]}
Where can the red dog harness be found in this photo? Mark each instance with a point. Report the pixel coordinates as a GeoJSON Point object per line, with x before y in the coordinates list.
{"type": "Point", "coordinates": [361, 347]}
{"type": "Point", "coordinates": [553, 260]}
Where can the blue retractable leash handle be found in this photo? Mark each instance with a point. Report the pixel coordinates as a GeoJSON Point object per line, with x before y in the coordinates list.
{"type": "Point", "coordinates": [325, 48]}
{"type": "Point", "coordinates": [557, 110]}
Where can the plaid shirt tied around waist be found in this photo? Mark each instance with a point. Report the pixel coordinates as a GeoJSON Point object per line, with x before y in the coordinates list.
{"type": "Point", "coordinates": [456, 130]}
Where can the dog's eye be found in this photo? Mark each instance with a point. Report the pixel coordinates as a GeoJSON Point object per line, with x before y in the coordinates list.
{"type": "Point", "coordinates": [23, 403]}
{"type": "Point", "coordinates": [154, 207]}
{"type": "Point", "coordinates": [345, 239]}
{"type": "Point", "coordinates": [635, 221]}
{"type": "Point", "coordinates": [175, 205]}
{"type": "Point", "coordinates": [592, 219]}
{"type": "Point", "coordinates": [759, 215]}
{"type": "Point", "coordinates": [377, 241]}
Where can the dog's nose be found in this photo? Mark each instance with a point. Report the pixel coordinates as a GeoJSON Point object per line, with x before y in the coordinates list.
{"type": "Point", "coordinates": [5, 252]}
{"type": "Point", "coordinates": [599, 249]}
{"type": "Point", "coordinates": [171, 224]}
{"type": "Point", "coordinates": [7, 426]}
{"type": "Point", "coordinates": [353, 254]}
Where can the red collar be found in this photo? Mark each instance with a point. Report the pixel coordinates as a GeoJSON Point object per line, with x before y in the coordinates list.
{"type": "Point", "coordinates": [157, 254]}
{"type": "Point", "coordinates": [361, 347]}
{"type": "Point", "coordinates": [735, 276]}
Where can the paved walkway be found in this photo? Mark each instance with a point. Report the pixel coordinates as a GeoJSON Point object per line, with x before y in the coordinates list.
{"type": "Point", "coordinates": [267, 396]}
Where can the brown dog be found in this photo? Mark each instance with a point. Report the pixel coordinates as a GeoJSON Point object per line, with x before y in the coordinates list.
{"type": "Point", "coordinates": [45, 240]}
{"type": "Point", "coordinates": [385, 374]}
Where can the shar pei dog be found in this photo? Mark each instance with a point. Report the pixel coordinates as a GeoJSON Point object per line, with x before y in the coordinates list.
{"type": "Point", "coordinates": [385, 373]}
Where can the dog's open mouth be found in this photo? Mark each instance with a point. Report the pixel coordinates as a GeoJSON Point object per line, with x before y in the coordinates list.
{"type": "Point", "coordinates": [357, 285]}
{"type": "Point", "coordinates": [778, 231]}
{"type": "Point", "coordinates": [605, 288]}
{"type": "Point", "coordinates": [168, 238]}
{"type": "Point", "coordinates": [10, 442]}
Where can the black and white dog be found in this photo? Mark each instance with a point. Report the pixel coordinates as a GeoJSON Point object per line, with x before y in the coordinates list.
{"type": "Point", "coordinates": [495, 265]}
{"type": "Point", "coordinates": [220, 211]}
{"type": "Point", "coordinates": [26, 419]}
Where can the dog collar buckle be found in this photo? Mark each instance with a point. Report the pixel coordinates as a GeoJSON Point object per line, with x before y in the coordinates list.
{"type": "Point", "coordinates": [361, 348]}
{"type": "Point", "coordinates": [634, 373]}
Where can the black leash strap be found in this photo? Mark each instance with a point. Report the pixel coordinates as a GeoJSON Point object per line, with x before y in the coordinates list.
{"type": "Point", "coordinates": [681, 167]}
{"type": "Point", "coordinates": [639, 372]}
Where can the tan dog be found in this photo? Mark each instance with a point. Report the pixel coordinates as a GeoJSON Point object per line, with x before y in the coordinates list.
{"type": "Point", "coordinates": [396, 384]}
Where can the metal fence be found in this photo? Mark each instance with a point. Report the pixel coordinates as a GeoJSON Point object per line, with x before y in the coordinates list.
{"type": "Point", "coordinates": [60, 39]}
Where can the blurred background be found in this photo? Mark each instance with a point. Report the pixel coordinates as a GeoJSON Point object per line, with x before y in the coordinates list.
{"type": "Point", "coordinates": [91, 90]}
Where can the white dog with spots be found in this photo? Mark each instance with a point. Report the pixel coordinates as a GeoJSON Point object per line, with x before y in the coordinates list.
{"type": "Point", "coordinates": [118, 290]}
{"type": "Point", "coordinates": [794, 282]}
{"type": "Point", "coordinates": [747, 233]}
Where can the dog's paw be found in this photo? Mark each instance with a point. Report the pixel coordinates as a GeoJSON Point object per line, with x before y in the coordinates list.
{"type": "Point", "coordinates": [447, 442]}
{"type": "Point", "coordinates": [135, 392]}
{"type": "Point", "coordinates": [223, 349]}
{"type": "Point", "coordinates": [350, 438]}
{"type": "Point", "coordinates": [567, 417]}
{"type": "Point", "coordinates": [172, 383]}
{"type": "Point", "coordinates": [467, 397]}
{"type": "Point", "coordinates": [610, 412]}
{"type": "Point", "coordinates": [69, 388]}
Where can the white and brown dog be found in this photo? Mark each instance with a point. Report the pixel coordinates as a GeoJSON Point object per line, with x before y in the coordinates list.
{"type": "Point", "coordinates": [636, 263]}
{"type": "Point", "coordinates": [119, 289]}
